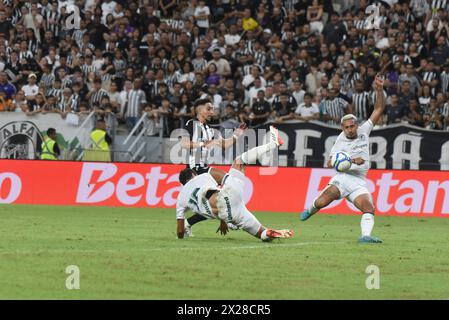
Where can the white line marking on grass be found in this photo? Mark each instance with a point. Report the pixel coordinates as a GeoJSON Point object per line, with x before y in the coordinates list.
{"type": "Point", "coordinates": [129, 250]}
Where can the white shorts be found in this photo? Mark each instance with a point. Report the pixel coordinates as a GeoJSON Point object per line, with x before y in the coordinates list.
{"type": "Point", "coordinates": [231, 207]}
{"type": "Point", "coordinates": [350, 186]}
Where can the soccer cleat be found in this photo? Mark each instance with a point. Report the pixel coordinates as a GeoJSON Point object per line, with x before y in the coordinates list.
{"type": "Point", "coordinates": [305, 215]}
{"type": "Point", "coordinates": [279, 233]}
{"type": "Point", "coordinates": [232, 226]}
{"type": "Point", "coordinates": [188, 231]}
{"type": "Point", "coordinates": [275, 136]}
{"type": "Point", "coordinates": [369, 239]}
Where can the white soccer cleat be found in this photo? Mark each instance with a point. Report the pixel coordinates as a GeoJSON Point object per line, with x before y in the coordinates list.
{"type": "Point", "coordinates": [187, 230]}
{"type": "Point", "coordinates": [232, 226]}
{"type": "Point", "coordinates": [275, 136]}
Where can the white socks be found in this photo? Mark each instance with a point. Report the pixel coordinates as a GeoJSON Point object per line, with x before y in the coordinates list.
{"type": "Point", "coordinates": [263, 235]}
{"type": "Point", "coordinates": [254, 154]}
{"type": "Point", "coordinates": [367, 224]}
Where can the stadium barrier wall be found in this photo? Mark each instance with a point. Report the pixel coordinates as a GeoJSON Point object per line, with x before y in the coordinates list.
{"type": "Point", "coordinates": [395, 192]}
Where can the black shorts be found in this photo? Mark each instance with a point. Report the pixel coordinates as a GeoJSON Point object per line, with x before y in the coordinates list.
{"type": "Point", "coordinates": [199, 169]}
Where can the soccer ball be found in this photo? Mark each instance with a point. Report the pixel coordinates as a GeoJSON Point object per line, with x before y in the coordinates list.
{"type": "Point", "coordinates": [341, 161]}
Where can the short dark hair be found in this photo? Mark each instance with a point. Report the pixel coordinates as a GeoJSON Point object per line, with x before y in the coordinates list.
{"type": "Point", "coordinates": [51, 131]}
{"type": "Point", "coordinates": [186, 175]}
{"type": "Point", "coordinates": [308, 95]}
{"type": "Point", "coordinates": [200, 102]}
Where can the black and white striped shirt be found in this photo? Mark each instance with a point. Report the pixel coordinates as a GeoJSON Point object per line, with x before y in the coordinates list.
{"type": "Point", "coordinates": [87, 68]}
{"type": "Point", "coordinates": [33, 45]}
{"type": "Point", "coordinates": [445, 113]}
{"type": "Point", "coordinates": [199, 132]}
{"type": "Point", "coordinates": [428, 76]}
{"type": "Point", "coordinates": [199, 64]}
{"type": "Point", "coordinates": [261, 58]}
{"type": "Point", "coordinates": [25, 55]}
{"type": "Point", "coordinates": [46, 82]}
{"type": "Point", "coordinates": [289, 4]}
{"type": "Point", "coordinates": [17, 14]}
{"type": "Point", "coordinates": [349, 81]}
{"type": "Point", "coordinates": [66, 82]}
{"type": "Point", "coordinates": [336, 108]}
{"type": "Point", "coordinates": [97, 96]}
{"type": "Point", "coordinates": [58, 93]}
{"type": "Point", "coordinates": [359, 24]}
{"type": "Point", "coordinates": [135, 100]}
{"type": "Point", "coordinates": [407, 59]}
{"type": "Point", "coordinates": [361, 102]}
{"type": "Point", "coordinates": [249, 47]}
{"type": "Point", "coordinates": [156, 86]}
{"type": "Point", "coordinates": [53, 27]}
{"type": "Point", "coordinates": [373, 97]}
{"type": "Point", "coordinates": [444, 81]}
{"type": "Point", "coordinates": [78, 36]}
{"type": "Point", "coordinates": [76, 100]}
{"type": "Point", "coordinates": [438, 4]}
{"type": "Point", "coordinates": [171, 79]}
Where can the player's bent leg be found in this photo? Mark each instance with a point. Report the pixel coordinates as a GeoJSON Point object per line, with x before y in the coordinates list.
{"type": "Point", "coordinates": [364, 203]}
{"type": "Point", "coordinates": [328, 195]}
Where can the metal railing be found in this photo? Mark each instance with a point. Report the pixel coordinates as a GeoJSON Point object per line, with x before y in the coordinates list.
{"type": "Point", "coordinates": [142, 127]}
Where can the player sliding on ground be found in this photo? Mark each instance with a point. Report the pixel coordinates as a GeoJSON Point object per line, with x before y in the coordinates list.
{"type": "Point", "coordinates": [354, 140]}
{"type": "Point", "coordinates": [223, 200]}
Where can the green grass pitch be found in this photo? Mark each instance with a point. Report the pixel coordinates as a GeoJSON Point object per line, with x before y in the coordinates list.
{"type": "Point", "coordinates": [134, 254]}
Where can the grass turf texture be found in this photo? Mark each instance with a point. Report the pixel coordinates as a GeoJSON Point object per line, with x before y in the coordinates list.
{"type": "Point", "coordinates": [133, 254]}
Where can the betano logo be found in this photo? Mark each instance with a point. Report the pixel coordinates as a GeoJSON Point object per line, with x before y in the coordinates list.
{"type": "Point", "coordinates": [10, 187]}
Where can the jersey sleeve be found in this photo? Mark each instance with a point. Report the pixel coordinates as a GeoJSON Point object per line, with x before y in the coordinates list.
{"type": "Point", "coordinates": [180, 210]}
{"type": "Point", "coordinates": [366, 127]}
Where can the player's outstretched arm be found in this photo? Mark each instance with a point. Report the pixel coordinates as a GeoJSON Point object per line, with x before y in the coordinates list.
{"type": "Point", "coordinates": [227, 143]}
{"type": "Point", "coordinates": [379, 106]}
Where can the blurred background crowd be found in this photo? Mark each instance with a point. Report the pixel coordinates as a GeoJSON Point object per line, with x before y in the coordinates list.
{"type": "Point", "coordinates": [257, 61]}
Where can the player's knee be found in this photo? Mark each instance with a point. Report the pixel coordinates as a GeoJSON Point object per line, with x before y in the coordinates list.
{"type": "Point", "coordinates": [368, 207]}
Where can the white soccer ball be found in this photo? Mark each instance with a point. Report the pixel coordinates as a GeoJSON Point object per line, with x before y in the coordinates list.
{"type": "Point", "coordinates": [341, 161]}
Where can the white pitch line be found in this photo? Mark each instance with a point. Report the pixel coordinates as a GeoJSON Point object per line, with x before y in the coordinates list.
{"type": "Point", "coordinates": [261, 246]}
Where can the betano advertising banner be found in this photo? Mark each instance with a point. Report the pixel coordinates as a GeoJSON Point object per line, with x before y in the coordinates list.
{"type": "Point", "coordinates": [404, 193]}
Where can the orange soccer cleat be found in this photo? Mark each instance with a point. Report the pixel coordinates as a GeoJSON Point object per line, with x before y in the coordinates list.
{"type": "Point", "coordinates": [279, 233]}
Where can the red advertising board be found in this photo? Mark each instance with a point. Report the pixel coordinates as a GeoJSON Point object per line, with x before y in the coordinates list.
{"type": "Point", "coordinates": [409, 193]}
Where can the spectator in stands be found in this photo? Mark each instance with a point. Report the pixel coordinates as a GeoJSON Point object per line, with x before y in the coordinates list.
{"type": "Point", "coordinates": [184, 110]}
{"type": "Point", "coordinates": [415, 113]}
{"type": "Point", "coordinates": [135, 100]}
{"type": "Point", "coordinates": [307, 110]}
{"type": "Point", "coordinates": [394, 110]}
{"type": "Point", "coordinates": [31, 89]}
{"type": "Point", "coordinates": [260, 111]}
{"type": "Point", "coordinates": [6, 104]}
{"type": "Point", "coordinates": [283, 108]}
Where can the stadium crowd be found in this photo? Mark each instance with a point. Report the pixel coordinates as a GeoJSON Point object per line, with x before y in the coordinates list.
{"type": "Point", "coordinates": [257, 61]}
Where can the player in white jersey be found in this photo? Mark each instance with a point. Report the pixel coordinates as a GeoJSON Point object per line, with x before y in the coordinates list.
{"type": "Point", "coordinates": [351, 184]}
{"type": "Point", "coordinates": [223, 200]}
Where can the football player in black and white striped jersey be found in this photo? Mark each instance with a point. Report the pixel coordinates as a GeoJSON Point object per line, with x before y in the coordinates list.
{"type": "Point", "coordinates": [199, 140]}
